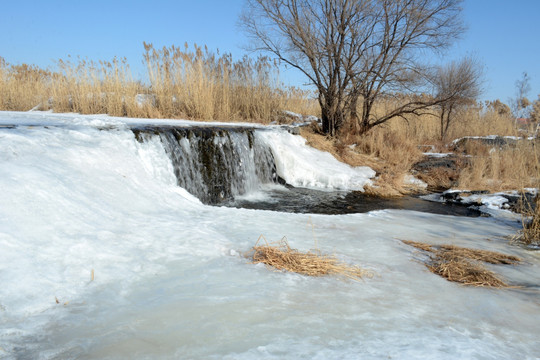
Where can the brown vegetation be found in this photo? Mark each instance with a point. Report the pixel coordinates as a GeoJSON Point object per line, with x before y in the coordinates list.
{"type": "Point", "coordinates": [462, 265]}
{"type": "Point", "coordinates": [394, 148]}
{"type": "Point", "coordinates": [183, 84]}
{"type": "Point", "coordinates": [312, 263]}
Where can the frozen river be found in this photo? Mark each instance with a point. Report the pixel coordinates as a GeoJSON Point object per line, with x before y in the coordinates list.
{"type": "Point", "coordinates": [103, 256]}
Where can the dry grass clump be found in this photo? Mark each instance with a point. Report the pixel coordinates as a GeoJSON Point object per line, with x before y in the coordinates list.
{"type": "Point", "coordinates": [312, 263]}
{"type": "Point", "coordinates": [459, 264]}
{"type": "Point", "coordinates": [439, 178]}
{"type": "Point", "coordinates": [465, 272]}
{"type": "Point", "coordinates": [530, 234]}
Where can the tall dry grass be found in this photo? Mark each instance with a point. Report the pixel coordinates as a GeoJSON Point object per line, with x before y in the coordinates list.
{"type": "Point", "coordinates": [502, 168]}
{"type": "Point", "coordinates": [200, 84]}
{"type": "Point", "coordinates": [182, 83]}
{"type": "Point", "coordinates": [22, 87]}
{"type": "Point", "coordinates": [103, 87]}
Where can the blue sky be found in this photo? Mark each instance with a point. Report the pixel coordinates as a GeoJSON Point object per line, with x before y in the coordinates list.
{"type": "Point", "coordinates": [503, 35]}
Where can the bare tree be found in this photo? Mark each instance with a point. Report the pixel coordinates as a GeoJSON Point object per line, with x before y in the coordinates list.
{"type": "Point", "coordinates": [356, 51]}
{"type": "Point", "coordinates": [458, 84]}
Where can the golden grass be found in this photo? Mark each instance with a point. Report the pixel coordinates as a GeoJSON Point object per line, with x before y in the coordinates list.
{"type": "Point", "coordinates": [281, 256]}
{"type": "Point", "coordinates": [440, 178]}
{"type": "Point", "coordinates": [462, 265]}
{"type": "Point", "coordinates": [393, 148]}
{"type": "Point", "coordinates": [183, 83]}
{"type": "Point", "coordinates": [22, 87]}
{"type": "Point", "coordinates": [465, 272]}
{"type": "Point", "coordinates": [504, 168]}
{"type": "Point", "coordinates": [200, 84]}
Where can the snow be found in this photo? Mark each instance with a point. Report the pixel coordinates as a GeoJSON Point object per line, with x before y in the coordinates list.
{"type": "Point", "coordinates": [303, 166]}
{"type": "Point", "coordinates": [437, 155]}
{"type": "Point", "coordinates": [492, 137]}
{"type": "Point", "coordinates": [170, 280]}
{"type": "Point", "coordinates": [492, 201]}
{"type": "Point", "coordinates": [46, 118]}
{"type": "Point", "coordinates": [493, 204]}
{"type": "Point", "coordinates": [411, 180]}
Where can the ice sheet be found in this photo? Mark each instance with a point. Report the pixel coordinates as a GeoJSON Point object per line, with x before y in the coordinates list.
{"type": "Point", "coordinates": [170, 280]}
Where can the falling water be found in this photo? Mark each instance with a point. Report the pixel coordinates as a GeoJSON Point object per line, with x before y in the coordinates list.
{"type": "Point", "coordinates": [215, 164]}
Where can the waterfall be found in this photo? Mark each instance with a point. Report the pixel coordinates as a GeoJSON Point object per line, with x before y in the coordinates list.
{"type": "Point", "coordinates": [215, 164]}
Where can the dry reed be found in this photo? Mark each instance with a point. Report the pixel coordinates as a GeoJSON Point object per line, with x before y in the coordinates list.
{"type": "Point", "coordinates": [459, 264]}
{"type": "Point", "coordinates": [183, 83]}
{"type": "Point", "coordinates": [465, 272]}
{"type": "Point", "coordinates": [501, 168]}
{"type": "Point", "coordinates": [281, 256]}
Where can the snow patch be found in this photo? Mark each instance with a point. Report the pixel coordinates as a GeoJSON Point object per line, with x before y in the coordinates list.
{"type": "Point", "coordinates": [411, 180]}
{"type": "Point", "coordinates": [437, 155]}
{"type": "Point", "coordinates": [303, 166]}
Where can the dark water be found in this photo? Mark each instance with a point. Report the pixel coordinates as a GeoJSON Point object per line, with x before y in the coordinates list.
{"type": "Point", "coordinates": [298, 200]}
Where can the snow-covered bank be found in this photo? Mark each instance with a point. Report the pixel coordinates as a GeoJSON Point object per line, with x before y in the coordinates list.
{"type": "Point", "coordinates": [169, 281]}
{"type": "Point", "coordinates": [303, 166]}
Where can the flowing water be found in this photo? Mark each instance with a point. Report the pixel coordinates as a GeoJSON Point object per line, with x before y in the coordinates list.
{"type": "Point", "coordinates": [104, 256]}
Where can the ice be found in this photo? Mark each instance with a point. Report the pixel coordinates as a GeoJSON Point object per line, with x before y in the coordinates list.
{"type": "Point", "coordinates": [492, 201]}
{"type": "Point", "coordinates": [171, 280]}
{"type": "Point", "coordinates": [303, 166]}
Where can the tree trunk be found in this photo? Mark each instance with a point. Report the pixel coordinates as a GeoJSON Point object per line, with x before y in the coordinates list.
{"type": "Point", "coordinates": [442, 123]}
{"type": "Point", "coordinates": [332, 118]}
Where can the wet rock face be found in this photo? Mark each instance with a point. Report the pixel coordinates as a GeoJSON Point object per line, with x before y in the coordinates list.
{"type": "Point", "coordinates": [215, 164]}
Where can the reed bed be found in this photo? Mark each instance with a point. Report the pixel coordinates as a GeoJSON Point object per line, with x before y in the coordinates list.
{"type": "Point", "coordinates": [509, 167]}
{"type": "Point", "coordinates": [186, 82]}
{"type": "Point", "coordinates": [281, 256]}
{"type": "Point", "coordinates": [463, 265]}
